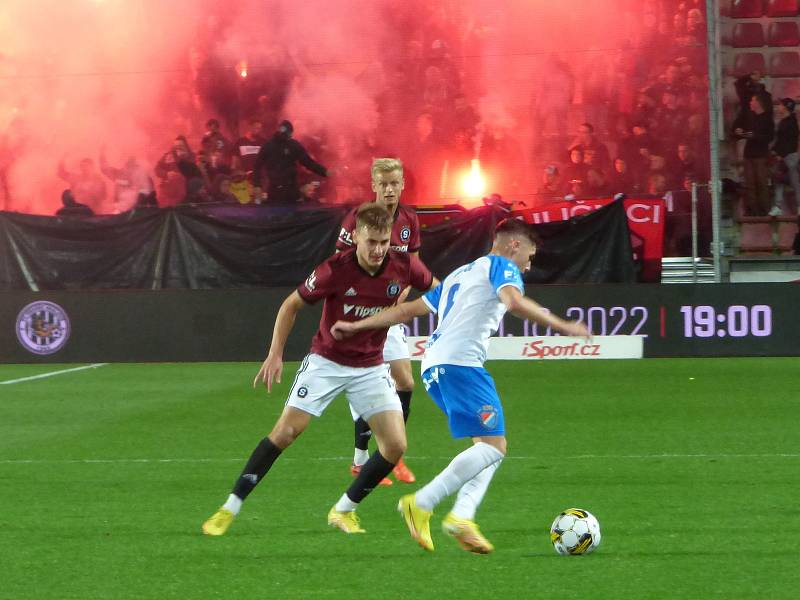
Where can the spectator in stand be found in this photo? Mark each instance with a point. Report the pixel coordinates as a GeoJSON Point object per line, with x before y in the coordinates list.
{"type": "Point", "coordinates": [86, 185]}
{"type": "Point", "coordinates": [586, 140]}
{"type": "Point", "coordinates": [222, 191]}
{"type": "Point", "coordinates": [551, 100]}
{"type": "Point", "coordinates": [133, 186]}
{"type": "Point", "coordinates": [215, 165]}
{"type": "Point", "coordinates": [623, 138]}
{"type": "Point", "coordinates": [671, 118]}
{"type": "Point", "coordinates": [172, 184]}
{"type": "Point", "coordinates": [758, 130]}
{"type": "Point", "coordinates": [552, 187]}
{"type": "Point", "coordinates": [748, 86]}
{"type": "Point", "coordinates": [72, 208]}
{"type": "Point", "coordinates": [621, 179]}
{"type": "Point", "coordinates": [596, 185]}
{"type": "Point", "coordinates": [576, 169]}
{"type": "Point", "coordinates": [656, 185]}
{"type": "Point", "coordinates": [423, 174]}
{"type": "Point", "coordinates": [696, 31]}
{"type": "Point", "coordinates": [246, 147]}
{"type": "Point", "coordinates": [214, 141]}
{"type": "Point", "coordinates": [277, 159]}
{"type": "Point", "coordinates": [785, 149]}
{"type": "Point", "coordinates": [198, 184]}
{"type": "Point", "coordinates": [683, 162]}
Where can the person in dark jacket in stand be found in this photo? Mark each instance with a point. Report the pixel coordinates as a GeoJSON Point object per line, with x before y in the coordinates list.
{"type": "Point", "coordinates": [758, 130]}
{"type": "Point", "coordinates": [277, 159]}
{"type": "Point", "coordinates": [786, 149]}
{"type": "Point", "coordinates": [72, 208]}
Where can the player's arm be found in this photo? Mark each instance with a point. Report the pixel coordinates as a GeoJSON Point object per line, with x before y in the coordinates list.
{"type": "Point", "coordinates": [399, 313]}
{"type": "Point", "coordinates": [272, 366]}
{"type": "Point", "coordinates": [523, 307]}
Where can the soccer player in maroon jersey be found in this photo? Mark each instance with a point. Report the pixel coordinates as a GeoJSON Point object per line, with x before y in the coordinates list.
{"type": "Point", "coordinates": [354, 284]}
{"type": "Point", "coordinates": [387, 183]}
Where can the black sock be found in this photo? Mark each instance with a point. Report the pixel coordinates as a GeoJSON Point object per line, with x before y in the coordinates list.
{"type": "Point", "coordinates": [373, 471]}
{"type": "Point", "coordinates": [363, 433]}
{"type": "Point", "coordinates": [257, 466]}
{"type": "Point", "coordinates": [405, 400]}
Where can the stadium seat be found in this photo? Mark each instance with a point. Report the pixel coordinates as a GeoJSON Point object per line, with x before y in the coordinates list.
{"type": "Point", "coordinates": [783, 33]}
{"type": "Point", "coordinates": [748, 35]}
{"type": "Point", "coordinates": [747, 62]}
{"type": "Point", "coordinates": [784, 64]}
{"type": "Point", "coordinates": [747, 9]}
{"type": "Point", "coordinates": [783, 8]}
{"type": "Point", "coordinates": [786, 88]}
{"type": "Point", "coordinates": [755, 235]}
{"type": "Point", "coordinates": [787, 230]}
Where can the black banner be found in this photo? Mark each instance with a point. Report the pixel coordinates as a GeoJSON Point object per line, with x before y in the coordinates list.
{"type": "Point", "coordinates": [236, 325]}
{"type": "Point", "coordinates": [249, 247]}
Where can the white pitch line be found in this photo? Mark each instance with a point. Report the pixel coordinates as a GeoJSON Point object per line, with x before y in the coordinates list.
{"type": "Point", "coordinates": [52, 373]}
{"type": "Point", "coordinates": [89, 461]}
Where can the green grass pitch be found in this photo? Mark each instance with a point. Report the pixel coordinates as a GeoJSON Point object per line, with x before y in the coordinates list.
{"type": "Point", "coordinates": [691, 467]}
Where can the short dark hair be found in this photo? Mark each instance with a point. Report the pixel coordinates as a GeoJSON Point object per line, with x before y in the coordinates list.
{"type": "Point", "coordinates": [517, 228]}
{"type": "Point", "coordinates": [588, 126]}
{"type": "Point", "coordinates": [212, 122]}
{"type": "Point", "coordinates": [373, 216]}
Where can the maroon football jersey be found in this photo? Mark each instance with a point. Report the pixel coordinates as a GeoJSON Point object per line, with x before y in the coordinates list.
{"type": "Point", "coordinates": [350, 294]}
{"type": "Point", "coordinates": [405, 231]}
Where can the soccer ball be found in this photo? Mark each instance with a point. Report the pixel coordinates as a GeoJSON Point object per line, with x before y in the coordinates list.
{"type": "Point", "coordinates": [575, 531]}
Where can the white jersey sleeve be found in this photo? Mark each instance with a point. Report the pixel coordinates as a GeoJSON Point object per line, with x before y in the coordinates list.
{"type": "Point", "coordinates": [469, 311]}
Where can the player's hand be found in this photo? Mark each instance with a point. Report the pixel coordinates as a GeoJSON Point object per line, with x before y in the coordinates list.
{"type": "Point", "coordinates": [403, 295]}
{"type": "Point", "coordinates": [270, 371]}
{"type": "Point", "coordinates": [342, 329]}
{"type": "Point", "coordinates": [577, 329]}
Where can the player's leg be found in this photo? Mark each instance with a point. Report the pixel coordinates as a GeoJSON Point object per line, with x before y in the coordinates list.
{"type": "Point", "coordinates": [372, 395]}
{"type": "Point", "coordinates": [404, 382]}
{"type": "Point", "coordinates": [361, 455]}
{"type": "Point", "coordinates": [300, 407]}
{"type": "Point", "coordinates": [460, 522]}
{"type": "Point", "coordinates": [286, 430]}
{"type": "Point", "coordinates": [395, 352]}
{"type": "Point", "coordinates": [474, 410]}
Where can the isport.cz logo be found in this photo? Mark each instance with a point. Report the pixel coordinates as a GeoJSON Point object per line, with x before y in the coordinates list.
{"type": "Point", "coordinates": [541, 349]}
{"type": "Point", "coordinates": [43, 327]}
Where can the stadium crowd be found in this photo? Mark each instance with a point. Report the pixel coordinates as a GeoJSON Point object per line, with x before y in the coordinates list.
{"type": "Point", "coordinates": [633, 120]}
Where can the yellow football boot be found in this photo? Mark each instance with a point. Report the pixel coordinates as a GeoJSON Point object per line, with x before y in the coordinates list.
{"type": "Point", "coordinates": [417, 520]}
{"type": "Point", "coordinates": [467, 534]}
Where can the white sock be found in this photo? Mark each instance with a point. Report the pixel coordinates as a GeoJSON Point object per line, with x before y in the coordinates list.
{"type": "Point", "coordinates": [471, 493]}
{"type": "Point", "coordinates": [345, 504]}
{"type": "Point", "coordinates": [360, 457]}
{"type": "Point", "coordinates": [461, 469]}
{"type": "Point", "coordinates": [233, 504]}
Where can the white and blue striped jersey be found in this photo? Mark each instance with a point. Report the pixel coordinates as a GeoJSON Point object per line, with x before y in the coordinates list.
{"type": "Point", "coordinates": [469, 311]}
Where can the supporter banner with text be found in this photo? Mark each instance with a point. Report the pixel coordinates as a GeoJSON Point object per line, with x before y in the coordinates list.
{"type": "Point", "coordinates": [646, 219]}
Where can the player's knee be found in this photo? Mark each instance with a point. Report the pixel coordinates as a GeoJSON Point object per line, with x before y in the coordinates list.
{"type": "Point", "coordinates": [393, 450]}
{"type": "Point", "coordinates": [404, 382]}
{"type": "Point", "coordinates": [284, 434]}
{"type": "Point", "coordinates": [403, 378]}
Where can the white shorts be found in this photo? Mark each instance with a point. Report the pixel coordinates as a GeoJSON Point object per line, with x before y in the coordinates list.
{"type": "Point", "coordinates": [369, 390]}
{"type": "Point", "coordinates": [396, 346]}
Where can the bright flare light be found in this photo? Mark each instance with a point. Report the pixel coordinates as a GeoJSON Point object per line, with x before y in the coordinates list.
{"type": "Point", "coordinates": [241, 67]}
{"type": "Point", "coordinates": [474, 183]}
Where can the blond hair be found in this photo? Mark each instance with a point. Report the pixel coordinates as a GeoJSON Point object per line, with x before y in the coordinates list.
{"type": "Point", "coordinates": [386, 165]}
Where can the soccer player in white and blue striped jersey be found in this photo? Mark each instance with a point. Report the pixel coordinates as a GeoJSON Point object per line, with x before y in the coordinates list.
{"type": "Point", "coordinates": [470, 303]}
